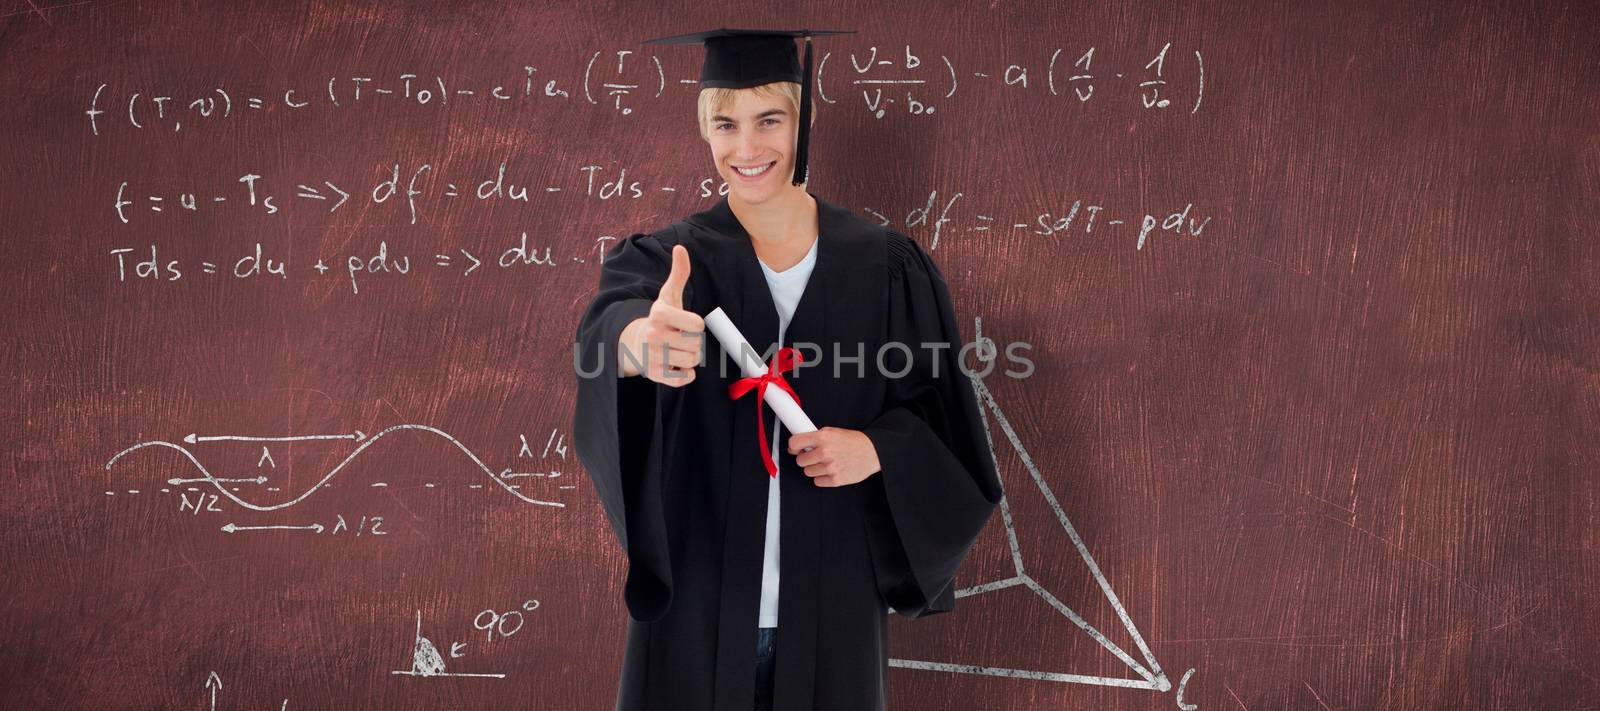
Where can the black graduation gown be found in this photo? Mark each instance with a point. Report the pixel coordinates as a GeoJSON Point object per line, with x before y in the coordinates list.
{"type": "Point", "coordinates": [679, 473]}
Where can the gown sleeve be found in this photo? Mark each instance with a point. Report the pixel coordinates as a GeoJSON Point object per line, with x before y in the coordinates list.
{"type": "Point", "coordinates": [938, 484]}
{"type": "Point", "coordinates": [616, 420]}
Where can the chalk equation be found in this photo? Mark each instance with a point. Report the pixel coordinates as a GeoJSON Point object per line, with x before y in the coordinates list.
{"type": "Point", "coordinates": [909, 81]}
{"type": "Point", "coordinates": [1080, 217]}
{"type": "Point", "coordinates": [212, 494]}
{"type": "Point", "coordinates": [257, 262]}
{"type": "Point", "coordinates": [254, 194]}
{"type": "Point", "coordinates": [418, 191]}
{"type": "Point", "coordinates": [1063, 76]}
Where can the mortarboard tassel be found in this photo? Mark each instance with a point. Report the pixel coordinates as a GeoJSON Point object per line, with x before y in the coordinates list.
{"type": "Point", "coordinates": [803, 142]}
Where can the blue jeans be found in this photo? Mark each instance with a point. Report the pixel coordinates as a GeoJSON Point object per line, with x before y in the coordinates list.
{"type": "Point", "coordinates": [766, 665]}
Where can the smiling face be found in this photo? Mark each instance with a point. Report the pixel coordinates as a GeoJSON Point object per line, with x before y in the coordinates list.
{"type": "Point", "coordinates": [752, 138]}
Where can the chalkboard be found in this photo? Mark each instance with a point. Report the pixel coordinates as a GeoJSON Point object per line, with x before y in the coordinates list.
{"type": "Point", "coordinates": [1308, 290]}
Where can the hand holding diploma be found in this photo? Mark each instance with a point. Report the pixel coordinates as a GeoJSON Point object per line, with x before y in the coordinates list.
{"type": "Point", "coordinates": [834, 456]}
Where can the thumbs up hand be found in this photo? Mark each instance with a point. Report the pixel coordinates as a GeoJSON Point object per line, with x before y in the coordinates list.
{"type": "Point", "coordinates": [672, 289]}
{"type": "Point", "coordinates": [667, 343]}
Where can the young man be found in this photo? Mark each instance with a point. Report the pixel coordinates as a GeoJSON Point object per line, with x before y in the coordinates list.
{"type": "Point", "coordinates": [876, 510]}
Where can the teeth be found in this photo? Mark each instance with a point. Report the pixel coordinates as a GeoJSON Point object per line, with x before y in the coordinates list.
{"type": "Point", "coordinates": [752, 172]}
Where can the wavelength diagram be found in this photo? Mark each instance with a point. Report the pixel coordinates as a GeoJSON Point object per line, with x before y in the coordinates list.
{"type": "Point", "coordinates": [1149, 672]}
{"type": "Point", "coordinates": [499, 479]}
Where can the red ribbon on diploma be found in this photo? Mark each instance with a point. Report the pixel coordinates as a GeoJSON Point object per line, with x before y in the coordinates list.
{"type": "Point", "coordinates": [785, 359]}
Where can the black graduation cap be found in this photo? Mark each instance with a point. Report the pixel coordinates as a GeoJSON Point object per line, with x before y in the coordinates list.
{"type": "Point", "coordinates": [740, 59]}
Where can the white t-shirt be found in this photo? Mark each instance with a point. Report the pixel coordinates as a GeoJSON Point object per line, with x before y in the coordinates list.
{"type": "Point", "coordinates": [786, 287]}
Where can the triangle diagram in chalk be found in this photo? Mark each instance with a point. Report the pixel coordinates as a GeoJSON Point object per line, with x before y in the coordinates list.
{"type": "Point", "coordinates": [1146, 673]}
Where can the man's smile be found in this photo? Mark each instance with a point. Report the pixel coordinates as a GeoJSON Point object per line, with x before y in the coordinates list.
{"type": "Point", "coordinates": [755, 170]}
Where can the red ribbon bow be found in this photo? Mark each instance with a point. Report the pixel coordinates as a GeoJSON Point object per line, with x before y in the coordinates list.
{"type": "Point", "coordinates": [785, 359]}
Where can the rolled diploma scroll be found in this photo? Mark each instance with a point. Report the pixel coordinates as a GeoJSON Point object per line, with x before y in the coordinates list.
{"type": "Point", "coordinates": [750, 364]}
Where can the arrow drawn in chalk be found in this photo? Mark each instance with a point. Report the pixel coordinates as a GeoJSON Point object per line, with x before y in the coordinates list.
{"type": "Point", "coordinates": [234, 527]}
{"type": "Point", "coordinates": [192, 438]}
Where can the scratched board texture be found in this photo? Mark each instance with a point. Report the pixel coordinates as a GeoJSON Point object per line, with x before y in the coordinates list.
{"type": "Point", "coordinates": [1309, 291]}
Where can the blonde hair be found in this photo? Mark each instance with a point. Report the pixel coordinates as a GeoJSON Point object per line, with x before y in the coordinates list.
{"type": "Point", "coordinates": [713, 99]}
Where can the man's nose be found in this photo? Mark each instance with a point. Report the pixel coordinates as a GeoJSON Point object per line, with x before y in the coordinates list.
{"type": "Point", "coordinates": [749, 146]}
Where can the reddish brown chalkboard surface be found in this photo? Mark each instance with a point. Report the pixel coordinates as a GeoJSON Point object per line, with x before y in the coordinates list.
{"type": "Point", "coordinates": [1309, 291]}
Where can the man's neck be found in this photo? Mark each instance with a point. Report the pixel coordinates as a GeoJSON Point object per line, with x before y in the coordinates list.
{"type": "Point", "coordinates": [788, 219]}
